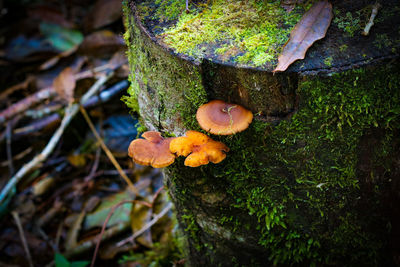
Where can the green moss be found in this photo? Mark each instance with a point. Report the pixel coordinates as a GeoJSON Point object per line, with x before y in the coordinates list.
{"type": "Point", "coordinates": [297, 169]}
{"type": "Point", "coordinates": [343, 48]}
{"type": "Point", "coordinates": [328, 61]}
{"type": "Point", "coordinates": [166, 87]}
{"type": "Point", "coordinates": [256, 29]}
{"type": "Point", "coordinates": [352, 22]}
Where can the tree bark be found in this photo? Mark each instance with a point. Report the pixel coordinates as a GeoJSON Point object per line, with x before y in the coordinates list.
{"type": "Point", "coordinates": [315, 178]}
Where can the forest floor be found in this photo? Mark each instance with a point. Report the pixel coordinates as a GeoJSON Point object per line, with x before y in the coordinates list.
{"type": "Point", "coordinates": [66, 180]}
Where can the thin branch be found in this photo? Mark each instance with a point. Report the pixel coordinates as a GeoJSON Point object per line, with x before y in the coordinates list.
{"type": "Point", "coordinates": [70, 112]}
{"type": "Point", "coordinates": [106, 221]}
{"type": "Point", "coordinates": [9, 149]}
{"type": "Point", "coordinates": [44, 94]}
{"type": "Point", "coordinates": [147, 226]}
{"type": "Point", "coordinates": [22, 236]}
{"type": "Point", "coordinates": [370, 23]}
{"type": "Point", "coordinates": [103, 97]}
{"type": "Point", "coordinates": [108, 152]}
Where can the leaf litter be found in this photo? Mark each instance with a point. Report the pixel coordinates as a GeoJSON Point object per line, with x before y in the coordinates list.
{"type": "Point", "coordinates": [63, 199]}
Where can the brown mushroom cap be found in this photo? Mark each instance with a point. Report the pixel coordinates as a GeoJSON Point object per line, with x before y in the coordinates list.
{"type": "Point", "coordinates": [220, 118]}
{"type": "Point", "coordinates": [201, 148]}
{"type": "Point", "coordinates": [152, 150]}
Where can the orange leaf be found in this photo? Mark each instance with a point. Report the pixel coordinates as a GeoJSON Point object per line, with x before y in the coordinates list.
{"type": "Point", "coordinates": [64, 84]}
{"type": "Point", "coordinates": [312, 27]}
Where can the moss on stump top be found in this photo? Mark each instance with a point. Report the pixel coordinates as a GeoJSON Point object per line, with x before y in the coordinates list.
{"type": "Point", "coordinates": [251, 33]}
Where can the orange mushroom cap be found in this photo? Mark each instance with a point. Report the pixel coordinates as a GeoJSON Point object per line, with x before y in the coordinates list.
{"type": "Point", "coordinates": [202, 149]}
{"type": "Point", "coordinates": [220, 118]}
{"type": "Point", "coordinates": [152, 150]}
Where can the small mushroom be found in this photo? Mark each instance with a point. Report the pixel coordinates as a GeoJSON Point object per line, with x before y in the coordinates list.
{"type": "Point", "coordinates": [152, 150]}
{"type": "Point", "coordinates": [201, 148]}
{"type": "Point", "coordinates": [220, 118]}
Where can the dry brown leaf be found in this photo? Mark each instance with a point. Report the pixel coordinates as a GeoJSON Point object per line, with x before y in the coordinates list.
{"type": "Point", "coordinates": [101, 43]}
{"type": "Point", "coordinates": [312, 27]}
{"type": "Point", "coordinates": [103, 13]}
{"type": "Point", "coordinates": [64, 84]}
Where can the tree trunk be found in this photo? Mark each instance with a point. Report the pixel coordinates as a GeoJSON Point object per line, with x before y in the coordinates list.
{"type": "Point", "coordinates": [315, 179]}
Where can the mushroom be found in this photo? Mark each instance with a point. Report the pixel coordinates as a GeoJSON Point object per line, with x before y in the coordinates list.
{"type": "Point", "coordinates": [220, 118]}
{"type": "Point", "coordinates": [152, 150]}
{"type": "Point", "coordinates": [201, 148]}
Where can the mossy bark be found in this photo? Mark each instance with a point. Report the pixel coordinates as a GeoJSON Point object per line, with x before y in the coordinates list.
{"type": "Point", "coordinates": [313, 181]}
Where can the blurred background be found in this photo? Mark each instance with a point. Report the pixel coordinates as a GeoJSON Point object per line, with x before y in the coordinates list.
{"type": "Point", "coordinates": [64, 134]}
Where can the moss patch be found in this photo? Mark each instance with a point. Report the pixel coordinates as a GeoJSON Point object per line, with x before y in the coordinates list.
{"type": "Point", "coordinates": [245, 31]}
{"type": "Point", "coordinates": [162, 86]}
{"type": "Point", "coordinates": [301, 181]}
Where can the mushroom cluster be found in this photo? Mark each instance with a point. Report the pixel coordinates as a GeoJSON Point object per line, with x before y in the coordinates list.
{"type": "Point", "coordinates": [216, 117]}
{"type": "Point", "coordinates": [198, 148]}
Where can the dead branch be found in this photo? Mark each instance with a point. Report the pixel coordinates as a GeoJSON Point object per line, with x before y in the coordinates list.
{"type": "Point", "coordinates": [108, 152]}
{"type": "Point", "coordinates": [103, 97]}
{"type": "Point", "coordinates": [22, 236]}
{"type": "Point", "coordinates": [106, 221]}
{"type": "Point", "coordinates": [25, 103]}
{"type": "Point", "coordinates": [46, 93]}
{"type": "Point", "coordinates": [147, 226]}
{"type": "Point", "coordinates": [70, 112]}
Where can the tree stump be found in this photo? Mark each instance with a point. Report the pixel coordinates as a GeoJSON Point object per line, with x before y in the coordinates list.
{"type": "Point", "coordinates": [315, 179]}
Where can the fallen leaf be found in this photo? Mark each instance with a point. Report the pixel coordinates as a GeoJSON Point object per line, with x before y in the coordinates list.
{"type": "Point", "coordinates": [61, 38]}
{"type": "Point", "coordinates": [99, 215]}
{"type": "Point", "coordinates": [77, 160]}
{"type": "Point", "coordinates": [50, 14]}
{"type": "Point", "coordinates": [21, 47]}
{"type": "Point", "coordinates": [64, 84]}
{"type": "Point", "coordinates": [101, 43]}
{"type": "Point", "coordinates": [103, 13]}
{"type": "Point", "coordinates": [312, 27]}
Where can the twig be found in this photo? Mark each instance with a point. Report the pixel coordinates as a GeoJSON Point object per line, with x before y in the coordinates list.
{"type": "Point", "coordinates": [187, 7]}
{"type": "Point", "coordinates": [156, 195]}
{"type": "Point", "coordinates": [12, 89]}
{"type": "Point", "coordinates": [370, 23]}
{"type": "Point", "coordinates": [44, 94]}
{"type": "Point", "coordinates": [94, 166]}
{"type": "Point", "coordinates": [70, 112]}
{"type": "Point", "coordinates": [103, 97]}
{"type": "Point", "coordinates": [22, 236]}
{"type": "Point", "coordinates": [108, 152]}
{"type": "Point", "coordinates": [106, 221]}
{"type": "Point", "coordinates": [147, 226]}
{"type": "Point", "coordinates": [9, 149]}
{"type": "Point", "coordinates": [26, 103]}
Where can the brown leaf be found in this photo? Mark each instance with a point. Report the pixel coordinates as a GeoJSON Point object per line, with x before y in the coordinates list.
{"type": "Point", "coordinates": [101, 43]}
{"type": "Point", "coordinates": [103, 13]}
{"type": "Point", "coordinates": [64, 84]}
{"type": "Point", "coordinates": [312, 27]}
